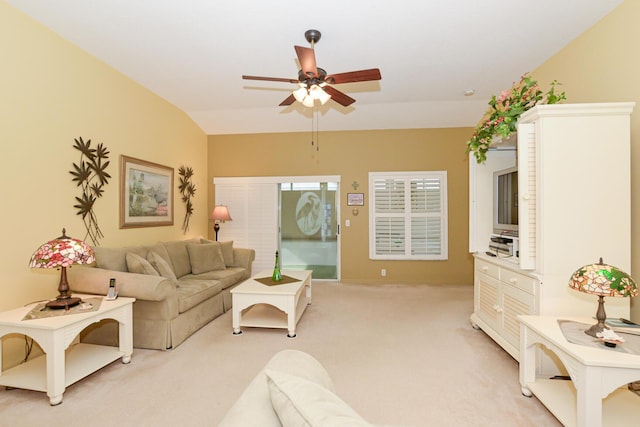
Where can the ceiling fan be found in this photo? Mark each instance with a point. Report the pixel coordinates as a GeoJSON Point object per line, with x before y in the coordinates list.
{"type": "Point", "coordinates": [314, 81]}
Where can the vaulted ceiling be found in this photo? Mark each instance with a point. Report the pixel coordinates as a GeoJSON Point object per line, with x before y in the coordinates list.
{"type": "Point", "coordinates": [193, 53]}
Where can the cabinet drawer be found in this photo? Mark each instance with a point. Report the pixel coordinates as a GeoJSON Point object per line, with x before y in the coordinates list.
{"type": "Point", "coordinates": [517, 280]}
{"type": "Point", "coordinates": [489, 269]}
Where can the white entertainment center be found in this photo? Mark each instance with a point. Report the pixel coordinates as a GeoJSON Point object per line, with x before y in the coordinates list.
{"type": "Point", "coordinates": [574, 206]}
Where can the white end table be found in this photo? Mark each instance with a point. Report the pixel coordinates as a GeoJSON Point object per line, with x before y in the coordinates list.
{"type": "Point", "coordinates": [64, 364]}
{"type": "Point", "coordinates": [597, 394]}
{"type": "Point", "coordinates": [264, 304]}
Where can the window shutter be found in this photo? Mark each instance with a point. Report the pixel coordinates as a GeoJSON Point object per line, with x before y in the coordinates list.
{"type": "Point", "coordinates": [254, 212]}
{"type": "Point", "coordinates": [408, 215]}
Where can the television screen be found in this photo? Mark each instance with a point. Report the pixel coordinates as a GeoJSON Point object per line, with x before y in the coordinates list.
{"type": "Point", "coordinates": [506, 201]}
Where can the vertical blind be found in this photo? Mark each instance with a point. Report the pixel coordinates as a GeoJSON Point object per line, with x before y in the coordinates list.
{"type": "Point", "coordinates": [408, 215]}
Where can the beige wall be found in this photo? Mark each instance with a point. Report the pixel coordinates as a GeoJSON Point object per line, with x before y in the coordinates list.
{"type": "Point", "coordinates": [53, 92]}
{"type": "Point", "coordinates": [352, 155]}
{"type": "Point", "coordinates": [603, 65]}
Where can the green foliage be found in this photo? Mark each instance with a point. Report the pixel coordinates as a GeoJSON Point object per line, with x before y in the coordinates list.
{"type": "Point", "coordinates": [501, 119]}
{"type": "Point", "coordinates": [91, 175]}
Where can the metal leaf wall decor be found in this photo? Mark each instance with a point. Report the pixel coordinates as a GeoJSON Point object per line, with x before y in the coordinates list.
{"type": "Point", "coordinates": [187, 190]}
{"type": "Point", "coordinates": [91, 175]}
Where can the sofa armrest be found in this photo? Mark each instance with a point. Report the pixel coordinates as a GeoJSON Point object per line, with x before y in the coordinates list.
{"type": "Point", "coordinates": [93, 280]}
{"type": "Point", "coordinates": [244, 258]}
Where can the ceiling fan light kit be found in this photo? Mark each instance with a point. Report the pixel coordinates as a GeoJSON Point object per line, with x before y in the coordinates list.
{"type": "Point", "coordinates": [314, 81]}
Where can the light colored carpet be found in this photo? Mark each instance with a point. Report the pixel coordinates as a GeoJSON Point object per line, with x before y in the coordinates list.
{"type": "Point", "coordinates": [404, 355]}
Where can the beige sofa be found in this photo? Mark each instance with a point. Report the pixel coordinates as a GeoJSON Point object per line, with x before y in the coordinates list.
{"type": "Point", "coordinates": [179, 287]}
{"type": "Point", "coordinates": [293, 389]}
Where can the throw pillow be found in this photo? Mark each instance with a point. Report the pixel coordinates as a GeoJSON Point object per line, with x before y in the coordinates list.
{"type": "Point", "coordinates": [110, 258]}
{"type": "Point", "coordinates": [301, 403]}
{"type": "Point", "coordinates": [137, 264]}
{"type": "Point", "coordinates": [205, 257]}
{"type": "Point", "coordinates": [161, 266]}
{"type": "Point", "coordinates": [227, 252]}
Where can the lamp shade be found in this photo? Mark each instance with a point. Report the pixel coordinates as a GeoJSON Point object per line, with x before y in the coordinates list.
{"type": "Point", "coordinates": [300, 93]}
{"type": "Point", "coordinates": [61, 253]}
{"type": "Point", "coordinates": [308, 101]}
{"type": "Point", "coordinates": [603, 280]}
{"type": "Point", "coordinates": [220, 213]}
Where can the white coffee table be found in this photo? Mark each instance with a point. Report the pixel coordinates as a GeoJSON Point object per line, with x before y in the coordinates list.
{"type": "Point", "coordinates": [262, 306]}
{"type": "Point", "coordinates": [64, 361]}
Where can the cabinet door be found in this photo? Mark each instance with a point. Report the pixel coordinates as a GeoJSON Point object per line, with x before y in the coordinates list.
{"type": "Point", "coordinates": [527, 187]}
{"type": "Point", "coordinates": [487, 307]}
{"type": "Point", "coordinates": [513, 303]}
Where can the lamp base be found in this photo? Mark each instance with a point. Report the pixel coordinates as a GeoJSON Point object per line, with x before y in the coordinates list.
{"type": "Point", "coordinates": [63, 302]}
{"type": "Point", "coordinates": [601, 316]}
{"type": "Point", "coordinates": [595, 330]}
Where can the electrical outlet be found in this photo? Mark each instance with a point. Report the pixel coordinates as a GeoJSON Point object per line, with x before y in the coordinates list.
{"type": "Point", "coordinates": [383, 272]}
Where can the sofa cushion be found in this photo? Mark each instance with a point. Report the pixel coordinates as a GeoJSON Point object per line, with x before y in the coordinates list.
{"type": "Point", "coordinates": [192, 292]}
{"type": "Point", "coordinates": [300, 402]}
{"type": "Point", "coordinates": [227, 250]}
{"type": "Point", "coordinates": [179, 256]}
{"type": "Point", "coordinates": [111, 258]}
{"type": "Point", "coordinates": [137, 264]}
{"type": "Point", "coordinates": [161, 266]}
{"type": "Point", "coordinates": [205, 257]}
{"type": "Point", "coordinates": [143, 251]}
{"type": "Point", "coordinates": [227, 277]}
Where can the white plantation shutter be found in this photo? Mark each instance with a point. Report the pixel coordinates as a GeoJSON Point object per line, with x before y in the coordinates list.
{"type": "Point", "coordinates": [253, 207]}
{"type": "Point", "coordinates": [408, 215]}
{"type": "Point", "coordinates": [527, 182]}
{"type": "Point", "coordinates": [426, 216]}
{"type": "Point", "coordinates": [389, 225]}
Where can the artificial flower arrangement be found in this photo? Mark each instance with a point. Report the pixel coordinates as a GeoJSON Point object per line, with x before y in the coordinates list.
{"type": "Point", "coordinates": [501, 118]}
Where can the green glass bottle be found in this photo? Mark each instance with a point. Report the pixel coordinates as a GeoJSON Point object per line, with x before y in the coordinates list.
{"type": "Point", "coordinates": [277, 276]}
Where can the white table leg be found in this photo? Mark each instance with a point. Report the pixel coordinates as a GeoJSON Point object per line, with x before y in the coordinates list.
{"type": "Point", "coordinates": [125, 333]}
{"type": "Point", "coordinates": [291, 316]}
{"type": "Point", "coordinates": [527, 361]}
{"type": "Point", "coordinates": [55, 368]}
{"type": "Point", "coordinates": [236, 312]}
{"type": "Point", "coordinates": [589, 397]}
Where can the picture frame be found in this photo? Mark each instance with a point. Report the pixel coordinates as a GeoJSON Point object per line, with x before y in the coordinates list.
{"type": "Point", "coordinates": [355, 199]}
{"type": "Point", "coordinates": [146, 193]}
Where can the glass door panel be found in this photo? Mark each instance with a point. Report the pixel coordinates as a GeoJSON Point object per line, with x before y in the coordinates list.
{"type": "Point", "coordinates": [309, 228]}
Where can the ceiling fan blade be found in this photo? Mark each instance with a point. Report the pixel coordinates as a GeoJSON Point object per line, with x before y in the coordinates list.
{"type": "Point", "coordinates": [288, 101]}
{"type": "Point", "coordinates": [270, 79]}
{"type": "Point", "coordinates": [354, 76]}
{"type": "Point", "coordinates": [340, 97]}
{"type": "Point", "coordinates": [307, 58]}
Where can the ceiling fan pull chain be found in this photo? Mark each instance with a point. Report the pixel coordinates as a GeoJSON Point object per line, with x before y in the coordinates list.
{"type": "Point", "coordinates": [317, 132]}
{"type": "Point", "coordinates": [312, 143]}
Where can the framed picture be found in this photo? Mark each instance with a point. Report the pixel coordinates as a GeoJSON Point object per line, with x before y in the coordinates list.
{"type": "Point", "coordinates": [146, 193]}
{"type": "Point", "coordinates": [355, 199]}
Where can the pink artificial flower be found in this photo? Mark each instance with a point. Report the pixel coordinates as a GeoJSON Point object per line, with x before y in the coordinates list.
{"type": "Point", "coordinates": [503, 95]}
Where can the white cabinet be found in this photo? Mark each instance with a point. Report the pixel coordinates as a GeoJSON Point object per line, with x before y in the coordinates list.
{"type": "Point", "coordinates": [574, 206]}
{"type": "Point", "coordinates": [501, 293]}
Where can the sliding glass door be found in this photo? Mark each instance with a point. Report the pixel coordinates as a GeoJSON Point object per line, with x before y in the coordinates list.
{"type": "Point", "coordinates": [309, 227]}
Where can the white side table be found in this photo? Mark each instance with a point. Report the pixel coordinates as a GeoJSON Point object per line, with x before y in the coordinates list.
{"type": "Point", "coordinates": [597, 394]}
{"type": "Point", "coordinates": [63, 365]}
